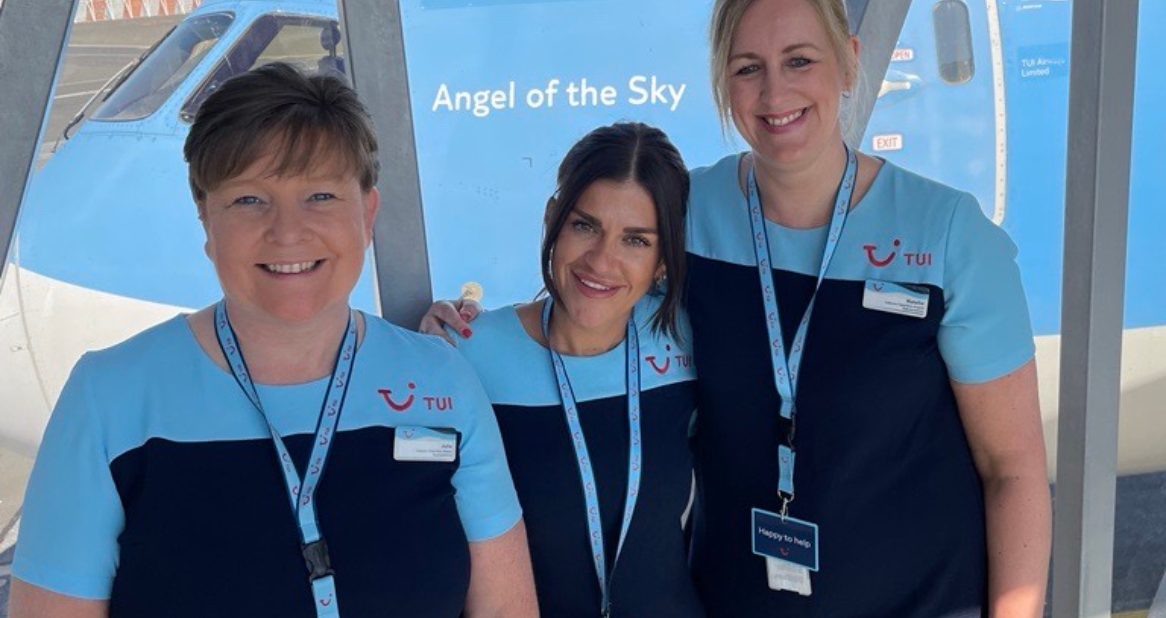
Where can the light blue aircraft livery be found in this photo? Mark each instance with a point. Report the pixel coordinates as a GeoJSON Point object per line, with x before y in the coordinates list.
{"type": "Point", "coordinates": [975, 96]}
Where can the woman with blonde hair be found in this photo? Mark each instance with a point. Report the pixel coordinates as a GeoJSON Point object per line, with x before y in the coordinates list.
{"type": "Point", "coordinates": [869, 441]}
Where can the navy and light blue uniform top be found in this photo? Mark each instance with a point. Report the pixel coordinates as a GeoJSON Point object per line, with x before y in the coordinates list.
{"type": "Point", "coordinates": [157, 485]}
{"type": "Point", "coordinates": [884, 467]}
{"type": "Point", "coordinates": [651, 577]}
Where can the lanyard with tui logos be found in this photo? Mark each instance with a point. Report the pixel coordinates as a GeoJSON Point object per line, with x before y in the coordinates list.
{"type": "Point", "coordinates": [790, 545]}
{"type": "Point", "coordinates": [785, 371]}
{"type": "Point", "coordinates": [586, 473]}
{"type": "Point", "coordinates": [302, 492]}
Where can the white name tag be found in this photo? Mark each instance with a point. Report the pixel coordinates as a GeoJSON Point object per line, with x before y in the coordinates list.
{"type": "Point", "coordinates": [896, 298]}
{"type": "Point", "coordinates": [784, 575]}
{"type": "Point", "coordinates": [414, 443]}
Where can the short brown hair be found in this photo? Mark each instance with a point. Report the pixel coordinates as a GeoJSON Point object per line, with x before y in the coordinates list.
{"type": "Point", "coordinates": [278, 109]}
{"type": "Point", "coordinates": [627, 152]}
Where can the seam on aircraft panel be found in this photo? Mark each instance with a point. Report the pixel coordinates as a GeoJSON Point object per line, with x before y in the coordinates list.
{"type": "Point", "coordinates": [996, 44]}
{"type": "Point", "coordinates": [36, 372]}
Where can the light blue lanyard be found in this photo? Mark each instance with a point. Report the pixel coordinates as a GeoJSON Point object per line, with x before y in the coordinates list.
{"type": "Point", "coordinates": [302, 492]}
{"type": "Point", "coordinates": [785, 370]}
{"type": "Point", "coordinates": [587, 475]}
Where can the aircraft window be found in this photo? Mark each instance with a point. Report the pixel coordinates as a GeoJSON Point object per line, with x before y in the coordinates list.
{"type": "Point", "coordinates": [312, 44]}
{"type": "Point", "coordinates": [953, 41]}
{"type": "Point", "coordinates": [148, 86]}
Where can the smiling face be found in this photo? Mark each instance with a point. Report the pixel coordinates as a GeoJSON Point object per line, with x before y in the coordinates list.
{"type": "Point", "coordinates": [785, 79]}
{"type": "Point", "coordinates": [607, 255]}
{"type": "Point", "coordinates": [289, 248]}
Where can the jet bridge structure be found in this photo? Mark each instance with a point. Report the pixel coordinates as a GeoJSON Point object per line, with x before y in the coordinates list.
{"type": "Point", "coordinates": [34, 33]}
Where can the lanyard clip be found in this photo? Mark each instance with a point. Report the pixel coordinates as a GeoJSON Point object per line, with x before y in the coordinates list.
{"type": "Point", "coordinates": [317, 559]}
{"type": "Point", "coordinates": [785, 500]}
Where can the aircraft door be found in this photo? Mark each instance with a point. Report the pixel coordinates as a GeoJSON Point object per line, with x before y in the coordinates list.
{"type": "Point", "coordinates": [941, 108]}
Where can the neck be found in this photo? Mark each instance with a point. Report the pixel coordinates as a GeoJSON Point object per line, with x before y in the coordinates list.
{"type": "Point", "coordinates": [279, 352]}
{"type": "Point", "coordinates": [569, 337]}
{"type": "Point", "coordinates": [802, 196]}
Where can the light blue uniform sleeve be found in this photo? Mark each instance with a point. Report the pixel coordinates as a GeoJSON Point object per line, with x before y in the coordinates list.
{"type": "Point", "coordinates": [72, 513]}
{"type": "Point", "coordinates": [486, 500]}
{"type": "Point", "coordinates": [985, 332]}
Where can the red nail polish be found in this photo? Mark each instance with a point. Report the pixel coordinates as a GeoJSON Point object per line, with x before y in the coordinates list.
{"type": "Point", "coordinates": [467, 333]}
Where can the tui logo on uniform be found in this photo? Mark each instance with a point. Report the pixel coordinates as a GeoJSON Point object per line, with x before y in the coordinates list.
{"type": "Point", "coordinates": [880, 263]}
{"type": "Point", "coordinates": [910, 258]}
{"type": "Point", "coordinates": [682, 360]}
{"type": "Point", "coordinates": [402, 400]}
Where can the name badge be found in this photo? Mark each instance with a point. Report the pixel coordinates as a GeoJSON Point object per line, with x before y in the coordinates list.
{"type": "Point", "coordinates": [787, 576]}
{"type": "Point", "coordinates": [789, 540]}
{"type": "Point", "coordinates": [897, 298]}
{"type": "Point", "coordinates": [414, 443]}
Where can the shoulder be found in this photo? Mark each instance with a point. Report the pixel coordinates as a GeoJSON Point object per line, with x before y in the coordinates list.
{"type": "Point", "coordinates": [950, 218]}
{"type": "Point", "coordinates": [390, 345]}
{"type": "Point", "coordinates": [914, 195]}
{"type": "Point", "coordinates": [914, 201]}
{"type": "Point", "coordinates": [711, 230]}
{"type": "Point", "coordinates": [147, 352]}
{"type": "Point", "coordinates": [901, 229]}
{"type": "Point", "coordinates": [513, 367]}
{"type": "Point", "coordinates": [496, 333]}
{"type": "Point", "coordinates": [417, 375]}
{"type": "Point", "coordinates": [645, 311]}
{"type": "Point", "coordinates": [909, 206]}
{"type": "Point", "coordinates": [111, 393]}
{"type": "Point", "coordinates": [713, 181]}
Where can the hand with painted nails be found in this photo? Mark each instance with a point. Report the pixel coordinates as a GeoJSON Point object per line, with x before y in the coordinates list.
{"type": "Point", "coordinates": [446, 316]}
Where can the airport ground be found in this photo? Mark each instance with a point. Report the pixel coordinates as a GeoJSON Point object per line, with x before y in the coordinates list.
{"type": "Point", "coordinates": [96, 52]}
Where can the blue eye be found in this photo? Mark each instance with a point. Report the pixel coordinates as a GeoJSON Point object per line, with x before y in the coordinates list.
{"type": "Point", "coordinates": [747, 69]}
{"type": "Point", "coordinates": [799, 62]}
{"type": "Point", "coordinates": [637, 241]}
{"type": "Point", "coordinates": [247, 200]}
{"type": "Point", "coordinates": [322, 197]}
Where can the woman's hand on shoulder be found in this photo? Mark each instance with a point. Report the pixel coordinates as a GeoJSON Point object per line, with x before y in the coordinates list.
{"type": "Point", "coordinates": [454, 314]}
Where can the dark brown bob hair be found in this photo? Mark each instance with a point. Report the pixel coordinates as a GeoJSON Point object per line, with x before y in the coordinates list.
{"type": "Point", "coordinates": [278, 109]}
{"type": "Point", "coordinates": [627, 151]}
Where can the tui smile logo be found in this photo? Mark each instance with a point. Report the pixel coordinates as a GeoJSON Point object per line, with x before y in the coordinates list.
{"type": "Point", "coordinates": [401, 401]}
{"type": "Point", "coordinates": [880, 263]}
{"type": "Point", "coordinates": [661, 368]}
{"type": "Point", "coordinates": [910, 258]}
{"type": "Point", "coordinates": [667, 361]}
{"type": "Point", "coordinates": [398, 407]}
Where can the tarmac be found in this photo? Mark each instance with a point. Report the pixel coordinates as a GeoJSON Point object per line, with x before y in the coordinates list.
{"type": "Point", "coordinates": [97, 51]}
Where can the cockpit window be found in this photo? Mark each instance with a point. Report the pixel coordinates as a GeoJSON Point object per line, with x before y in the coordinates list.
{"type": "Point", "coordinates": [310, 43]}
{"type": "Point", "coordinates": [164, 69]}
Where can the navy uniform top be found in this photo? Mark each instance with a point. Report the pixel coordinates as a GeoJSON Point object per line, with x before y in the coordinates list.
{"type": "Point", "coordinates": [157, 485]}
{"type": "Point", "coordinates": [883, 464]}
{"type": "Point", "coordinates": [651, 577]}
